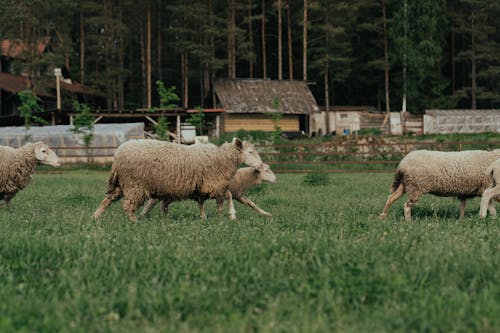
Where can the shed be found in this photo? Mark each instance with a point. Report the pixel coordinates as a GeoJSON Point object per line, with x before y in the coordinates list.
{"type": "Point", "coordinates": [461, 121]}
{"type": "Point", "coordinates": [250, 103]}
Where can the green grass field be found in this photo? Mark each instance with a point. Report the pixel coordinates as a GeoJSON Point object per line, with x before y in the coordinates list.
{"type": "Point", "coordinates": [323, 263]}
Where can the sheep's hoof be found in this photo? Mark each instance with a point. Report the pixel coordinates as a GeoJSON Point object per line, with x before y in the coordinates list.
{"type": "Point", "coordinates": [382, 216]}
{"type": "Point", "coordinates": [267, 214]}
{"type": "Point", "coordinates": [232, 217]}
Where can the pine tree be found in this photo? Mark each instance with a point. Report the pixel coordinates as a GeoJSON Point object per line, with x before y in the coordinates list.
{"type": "Point", "coordinates": [418, 40]}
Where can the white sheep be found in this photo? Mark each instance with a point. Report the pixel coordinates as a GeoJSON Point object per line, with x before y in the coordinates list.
{"type": "Point", "coordinates": [455, 174]}
{"type": "Point", "coordinates": [492, 192]}
{"type": "Point", "coordinates": [240, 183]}
{"type": "Point", "coordinates": [17, 166]}
{"type": "Point", "coordinates": [145, 169]}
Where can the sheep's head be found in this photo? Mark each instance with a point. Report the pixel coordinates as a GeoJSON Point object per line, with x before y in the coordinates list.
{"type": "Point", "coordinates": [266, 174]}
{"type": "Point", "coordinates": [45, 155]}
{"type": "Point", "coordinates": [249, 155]}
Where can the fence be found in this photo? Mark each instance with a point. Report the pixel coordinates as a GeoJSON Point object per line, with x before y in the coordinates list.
{"type": "Point", "coordinates": [354, 156]}
{"type": "Point", "coordinates": [325, 157]}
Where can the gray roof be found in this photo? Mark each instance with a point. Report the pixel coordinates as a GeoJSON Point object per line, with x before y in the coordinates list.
{"type": "Point", "coordinates": [257, 96]}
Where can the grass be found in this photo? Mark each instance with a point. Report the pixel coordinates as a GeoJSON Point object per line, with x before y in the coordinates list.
{"type": "Point", "coordinates": [323, 262]}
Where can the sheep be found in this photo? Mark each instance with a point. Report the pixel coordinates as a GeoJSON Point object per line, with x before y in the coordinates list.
{"type": "Point", "coordinates": [455, 174]}
{"type": "Point", "coordinates": [492, 192]}
{"type": "Point", "coordinates": [242, 181]}
{"type": "Point", "coordinates": [145, 169]}
{"type": "Point", "coordinates": [17, 166]}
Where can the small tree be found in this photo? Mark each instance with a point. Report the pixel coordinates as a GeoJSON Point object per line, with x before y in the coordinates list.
{"type": "Point", "coordinates": [83, 125]}
{"type": "Point", "coordinates": [28, 109]}
{"type": "Point", "coordinates": [276, 116]}
{"type": "Point", "coordinates": [197, 119]}
{"type": "Point", "coordinates": [167, 98]}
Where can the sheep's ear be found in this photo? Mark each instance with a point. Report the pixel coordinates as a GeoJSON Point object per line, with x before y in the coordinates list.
{"type": "Point", "coordinates": [39, 154]}
{"type": "Point", "coordinates": [238, 143]}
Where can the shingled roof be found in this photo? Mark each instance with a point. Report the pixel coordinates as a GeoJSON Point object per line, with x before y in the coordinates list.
{"type": "Point", "coordinates": [16, 83]}
{"type": "Point", "coordinates": [257, 96]}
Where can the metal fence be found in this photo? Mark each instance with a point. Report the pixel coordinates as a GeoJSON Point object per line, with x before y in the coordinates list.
{"type": "Point", "coordinates": [325, 157]}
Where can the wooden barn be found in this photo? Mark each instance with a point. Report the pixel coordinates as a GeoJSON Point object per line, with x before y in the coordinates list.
{"type": "Point", "coordinates": [250, 103]}
{"type": "Point", "coordinates": [11, 84]}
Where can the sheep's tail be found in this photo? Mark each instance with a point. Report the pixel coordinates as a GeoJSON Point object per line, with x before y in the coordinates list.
{"type": "Point", "coordinates": [113, 182]}
{"type": "Point", "coordinates": [113, 193]}
{"type": "Point", "coordinates": [398, 178]}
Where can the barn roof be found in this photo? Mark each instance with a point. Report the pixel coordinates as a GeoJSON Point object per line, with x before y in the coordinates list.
{"type": "Point", "coordinates": [258, 96]}
{"type": "Point", "coordinates": [16, 83]}
{"type": "Point", "coordinates": [14, 48]}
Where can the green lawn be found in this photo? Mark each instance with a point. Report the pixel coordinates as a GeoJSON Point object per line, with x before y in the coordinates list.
{"type": "Point", "coordinates": [323, 263]}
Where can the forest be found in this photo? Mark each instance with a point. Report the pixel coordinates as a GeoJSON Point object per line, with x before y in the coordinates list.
{"type": "Point", "coordinates": [389, 54]}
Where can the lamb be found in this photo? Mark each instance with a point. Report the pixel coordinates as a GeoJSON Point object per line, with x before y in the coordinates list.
{"type": "Point", "coordinates": [145, 169]}
{"type": "Point", "coordinates": [17, 166]}
{"type": "Point", "coordinates": [492, 192]}
{"type": "Point", "coordinates": [455, 174]}
{"type": "Point", "coordinates": [242, 181]}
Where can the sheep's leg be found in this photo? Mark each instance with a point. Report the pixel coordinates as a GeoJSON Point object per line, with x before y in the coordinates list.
{"type": "Point", "coordinates": [108, 200]}
{"type": "Point", "coordinates": [462, 207]}
{"type": "Point", "coordinates": [412, 199]}
{"type": "Point", "coordinates": [132, 201]}
{"type": "Point", "coordinates": [244, 200]}
{"type": "Point", "coordinates": [491, 208]}
{"type": "Point", "coordinates": [164, 207]}
{"type": "Point", "coordinates": [7, 198]}
{"type": "Point", "coordinates": [487, 202]}
{"type": "Point", "coordinates": [220, 203]}
{"type": "Point", "coordinates": [149, 205]}
{"type": "Point", "coordinates": [391, 199]}
{"type": "Point", "coordinates": [201, 206]}
{"type": "Point", "coordinates": [232, 211]}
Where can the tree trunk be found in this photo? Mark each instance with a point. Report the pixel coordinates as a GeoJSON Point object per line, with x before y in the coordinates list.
{"type": "Point", "coordinates": [386, 60]}
{"type": "Point", "coordinates": [453, 65]}
{"type": "Point", "coordinates": [280, 47]}
{"type": "Point", "coordinates": [250, 40]}
{"type": "Point", "coordinates": [231, 43]}
{"type": "Point", "coordinates": [107, 56]}
{"type": "Point", "coordinates": [326, 78]}
{"type": "Point", "coordinates": [212, 50]}
{"type": "Point", "coordinates": [473, 64]}
{"type": "Point", "coordinates": [148, 54]}
{"type": "Point", "coordinates": [185, 80]}
{"type": "Point", "coordinates": [264, 55]}
{"type": "Point", "coordinates": [143, 64]}
{"type": "Point", "coordinates": [289, 29]}
{"type": "Point", "coordinates": [82, 48]}
{"type": "Point", "coordinates": [121, 92]}
{"type": "Point", "coordinates": [304, 44]}
{"type": "Point", "coordinates": [160, 36]}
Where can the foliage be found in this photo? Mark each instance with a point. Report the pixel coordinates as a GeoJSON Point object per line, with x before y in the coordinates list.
{"type": "Point", "coordinates": [322, 263]}
{"type": "Point", "coordinates": [168, 96]}
{"type": "Point", "coordinates": [276, 116]}
{"type": "Point", "coordinates": [197, 119]}
{"type": "Point", "coordinates": [29, 109]}
{"type": "Point", "coordinates": [418, 37]}
{"type": "Point", "coordinates": [83, 123]}
{"type": "Point", "coordinates": [345, 47]}
{"type": "Point", "coordinates": [161, 129]}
